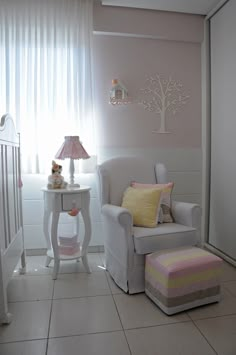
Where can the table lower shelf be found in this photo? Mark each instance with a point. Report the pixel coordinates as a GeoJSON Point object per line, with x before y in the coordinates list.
{"type": "Point", "coordinates": [65, 257]}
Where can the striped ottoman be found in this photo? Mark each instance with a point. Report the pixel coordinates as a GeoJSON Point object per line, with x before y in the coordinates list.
{"type": "Point", "coordinates": [183, 278]}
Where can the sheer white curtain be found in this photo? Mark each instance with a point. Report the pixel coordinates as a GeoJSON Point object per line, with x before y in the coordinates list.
{"type": "Point", "coordinates": [45, 75]}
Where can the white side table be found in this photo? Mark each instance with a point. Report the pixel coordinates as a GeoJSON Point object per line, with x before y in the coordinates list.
{"type": "Point", "coordinates": [63, 200]}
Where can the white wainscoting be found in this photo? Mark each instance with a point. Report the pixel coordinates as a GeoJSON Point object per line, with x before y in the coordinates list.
{"type": "Point", "coordinates": [184, 167]}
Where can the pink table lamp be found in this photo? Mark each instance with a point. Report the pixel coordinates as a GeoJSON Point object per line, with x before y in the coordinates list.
{"type": "Point", "coordinates": [73, 149]}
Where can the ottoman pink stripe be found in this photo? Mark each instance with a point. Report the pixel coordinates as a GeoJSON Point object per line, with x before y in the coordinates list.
{"type": "Point", "coordinates": [186, 267]}
{"type": "Point", "coordinates": [181, 252]}
{"type": "Point", "coordinates": [175, 259]}
{"type": "Point", "coordinates": [177, 251]}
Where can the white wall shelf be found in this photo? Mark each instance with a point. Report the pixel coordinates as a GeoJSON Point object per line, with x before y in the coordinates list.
{"type": "Point", "coordinates": [125, 101]}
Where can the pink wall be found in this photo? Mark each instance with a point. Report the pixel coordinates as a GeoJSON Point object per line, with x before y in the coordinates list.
{"type": "Point", "coordinates": [175, 26]}
{"type": "Point", "coordinates": [133, 59]}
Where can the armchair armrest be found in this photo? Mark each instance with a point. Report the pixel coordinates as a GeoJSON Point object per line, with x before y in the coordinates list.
{"type": "Point", "coordinates": [118, 228]}
{"type": "Point", "coordinates": [188, 214]}
{"type": "Point", "coordinates": [118, 214]}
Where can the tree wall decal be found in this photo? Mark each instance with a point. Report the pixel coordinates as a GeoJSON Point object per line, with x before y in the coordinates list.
{"type": "Point", "coordinates": [161, 96]}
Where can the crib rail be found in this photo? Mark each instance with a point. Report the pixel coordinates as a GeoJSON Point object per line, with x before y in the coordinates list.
{"type": "Point", "coordinates": [11, 222]}
{"type": "Point", "coordinates": [10, 194]}
{"type": "Point", "coordinates": [10, 207]}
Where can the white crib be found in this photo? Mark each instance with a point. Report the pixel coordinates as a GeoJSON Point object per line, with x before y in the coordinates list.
{"type": "Point", "coordinates": [11, 222]}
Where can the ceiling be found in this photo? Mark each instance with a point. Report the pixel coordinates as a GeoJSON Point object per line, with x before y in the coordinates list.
{"type": "Point", "coordinates": [202, 7]}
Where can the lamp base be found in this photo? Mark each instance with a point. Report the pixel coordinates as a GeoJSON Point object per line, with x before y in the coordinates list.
{"type": "Point", "coordinates": [70, 186]}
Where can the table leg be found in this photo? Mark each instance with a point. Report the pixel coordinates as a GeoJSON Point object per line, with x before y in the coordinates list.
{"type": "Point", "coordinates": [77, 231]}
{"type": "Point", "coordinates": [46, 218]}
{"type": "Point", "coordinates": [22, 269]}
{"type": "Point", "coordinates": [48, 260]}
{"type": "Point", "coordinates": [87, 236]}
{"type": "Point", "coordinates": [86, 264]}
{"type": "Point", "coordinates": [55, 218]}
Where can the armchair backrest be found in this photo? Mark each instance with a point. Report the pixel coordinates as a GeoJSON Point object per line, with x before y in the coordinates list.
{"type": "Point", "coordinates": [116, 174]}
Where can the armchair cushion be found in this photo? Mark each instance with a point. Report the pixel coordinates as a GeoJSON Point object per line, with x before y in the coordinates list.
{"type": "Point", "coordinates": [143, 204]}
{"type": "Point", "coordinates": [165, 236]}
{"type": "Point", "coordinates": [164, 215]}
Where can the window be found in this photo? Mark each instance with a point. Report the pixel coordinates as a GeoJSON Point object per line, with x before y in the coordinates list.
{"type": "Point", "coordinates": [45, 75]}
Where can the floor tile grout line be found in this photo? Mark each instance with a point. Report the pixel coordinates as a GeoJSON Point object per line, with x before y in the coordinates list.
{"type": "Point", "coordinates": [159, 325]}
{"type": "Point", "coordinates": [101, 259]}
{"type": "Point", "coordinates": [79, 273]}
{"type": "Point", "coordinates": [205, 337]}
{"type": "Point", "coordinates": [50, 317]}
{"type": "Point", "coordinates": [46, 274]}
{"type": "Point", "coordinates": [186, 313]}
{"type": "Point", "coordinates": [59, 298]}
{"type": "Point", "coordinates": [231, 293]}
{"type": "Point", "coordinates": [23, 341]}
{"type": "Point", "coordinates": [39, 300]}
{"type": "Point", "coordinates": [84, 296]}
{"type": "Point", "coordinates": [62, 298]}
{"type": "Point", "coordinates": [79, 297]}
{"type": "Point", "coordinates": [49, 274]}
{"type": "Point", "coordinates": [118, 314]}
{"type": "Point", "coordinates": [214, 317]}
{"type": "Point", "coordinates": [83, 334]}
{"type": "Point", "coordinates": [118, 330]}
{"type": "Point", "coordinates": [93, 333]}
{"type": "Point", "coordinates": [122, 325]}
{"type": "Point", "coordinates": [123, 329]}
{"type": "Point", "coordinates": [107, 277]}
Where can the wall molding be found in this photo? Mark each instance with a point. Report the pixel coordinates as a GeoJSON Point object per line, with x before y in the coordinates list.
{"type": "Point", "coordinates": [216, 9]}
{"type": "Point", "coordinates": [141, 36]}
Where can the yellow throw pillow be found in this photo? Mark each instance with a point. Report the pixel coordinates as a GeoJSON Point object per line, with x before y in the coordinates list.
{"type": "Point", "coordinates": [164, 215]}
{"type": "Point", "coordinates": [143, 204]}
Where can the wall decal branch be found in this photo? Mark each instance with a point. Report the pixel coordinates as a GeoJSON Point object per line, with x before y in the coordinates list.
{"type": "Point", "coordinates": [163, 95]}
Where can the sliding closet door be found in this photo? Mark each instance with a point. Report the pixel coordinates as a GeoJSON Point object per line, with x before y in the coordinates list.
{"type": "Point", "coordinates": [222, 218]}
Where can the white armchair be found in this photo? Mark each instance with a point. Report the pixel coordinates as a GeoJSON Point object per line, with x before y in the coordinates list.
{"type": "Point", "coordinates": [126, 245]}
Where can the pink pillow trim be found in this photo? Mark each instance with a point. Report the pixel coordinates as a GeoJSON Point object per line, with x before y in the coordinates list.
{"type": "Point", "coordinates": [138, 184]}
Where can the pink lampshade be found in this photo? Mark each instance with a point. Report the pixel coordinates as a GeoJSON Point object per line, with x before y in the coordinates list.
{"type": "Point", "coordinates": [72, 148]}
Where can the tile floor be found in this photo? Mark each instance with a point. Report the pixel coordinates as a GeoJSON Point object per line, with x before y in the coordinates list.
{"type": "Point", "coordinates": [88, 314]}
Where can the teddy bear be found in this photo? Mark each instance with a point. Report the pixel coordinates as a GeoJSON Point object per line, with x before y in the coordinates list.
{"type": "Point", "coordinates": [56, 180]}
